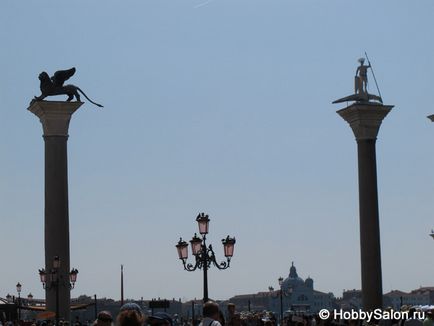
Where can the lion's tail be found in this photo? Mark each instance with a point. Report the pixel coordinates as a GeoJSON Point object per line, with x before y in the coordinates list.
{"type": "Point", "coordinates": [89, 98]}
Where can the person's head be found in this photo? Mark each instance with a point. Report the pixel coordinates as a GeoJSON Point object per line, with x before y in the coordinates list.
{"type": "Point", "coordinates": [160, 319]}
{"type": "Point", "coordinates": [130, 314]}
{"type": "Point", "coordinates": [231, 309]}
{"type": "Point", "coordinates": [361, 61]}
{"type": "Point", "coordinates": [211, 310]}
{"type": "Point", "coordinates": [104, 318]}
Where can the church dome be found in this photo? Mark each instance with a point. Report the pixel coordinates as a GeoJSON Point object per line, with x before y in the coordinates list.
{"type": "Point", "coordinates": [293, 280]}
{"type": "Point", "coordinates": [309, 282]}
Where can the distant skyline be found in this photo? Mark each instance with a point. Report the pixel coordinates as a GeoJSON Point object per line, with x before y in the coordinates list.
{"type": "Point", "coordinates": [222, 107]}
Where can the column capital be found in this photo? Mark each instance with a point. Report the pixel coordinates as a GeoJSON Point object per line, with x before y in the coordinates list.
{"type": "Point", "coordinates": [365, 118]}
{"type": "Point", "coordinates": [54, 115]}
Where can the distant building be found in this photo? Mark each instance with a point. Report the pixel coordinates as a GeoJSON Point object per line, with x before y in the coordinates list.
{"type": "Point", "coordinates": [175, 307]}
{"type": "Point", "coordinates": [8, 310]}
{"type": "Point", "coordinates": [352, 299]}
{"type": "Point", "coordinates": [297, 295]}
{"type": "Point", "coordinates": [422, 296]}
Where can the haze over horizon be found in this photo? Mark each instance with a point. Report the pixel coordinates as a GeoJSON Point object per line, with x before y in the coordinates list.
{"type": "Point", "coordinates": [222, 107]}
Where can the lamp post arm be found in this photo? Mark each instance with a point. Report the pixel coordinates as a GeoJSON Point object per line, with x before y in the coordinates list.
{"type": "Point", "coordinates": [223, 264]}
{"type": "Point", "coordinates": [212, 259]}
{"type": "Point", "coordinates": [190, 267]}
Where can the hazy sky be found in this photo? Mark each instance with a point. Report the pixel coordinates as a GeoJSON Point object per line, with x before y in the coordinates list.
{"type": "Point", "coordinates": [220, 106]}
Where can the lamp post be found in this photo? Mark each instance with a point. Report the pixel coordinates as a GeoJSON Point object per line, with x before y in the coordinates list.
{"type": "Point", "coordinates": [29, 299]}
{"type": "Point", "coordinates": [19, 300]}
{"type": "Point", "coordinates": [51, 279]}
{"type": "Point", "coordinates": [432, 234]}
{"type": "Point", "coordinates": [281, 294]}
{"type": "Point", "coordinates": [204, 256]}
{"type": "Point", "coordinates": [280, 280]}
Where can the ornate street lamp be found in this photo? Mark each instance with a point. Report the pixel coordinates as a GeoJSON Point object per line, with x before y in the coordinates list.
{"type": "Point", "coordinates": [203, 222]}
{"type": "Point", "coordinates": [204, 256]}
{"type": "Point", "coordinates": [182, 248]}
{"type": "Point", "coordinates": [19, 300]}
{"type": "Point", "coordinates": [73, 277]}
{"type": "Point", "coordinates": [29, 299]}
{"type": "Point", "coordinates": [51, 280]}
{"type": "Point", "coordinates": [228, 246]}
{"type": "Point", "coordinates": [282, 293]}
{"type": "Point", "coordinates": [280, 280]}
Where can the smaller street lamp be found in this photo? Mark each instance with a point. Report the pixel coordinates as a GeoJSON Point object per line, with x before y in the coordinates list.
{"type": "Point", "coordinates": [196, 245]}
{"type": "Point", "coordinates": [432, 234]}
{"type": "Point", "coordinates": [56, 262]}
{"type": "Point", "coordinates": [281, 294]}
{"type": "Point", "coordinates": [182, 248]}
{"type": "Point", "coordinates": [203, 222]}
{"type": "Point", "coordinates": [51, 280]}
{"type": "Point", "coordinates": [43, 277]}
{"type": "Point", "coordinates": [19, 286]}
{"type": "Point", "coordinates": [8, 297]}
{"type": "Point", "coordinates": [280, 280]}
{"type": "Point", "coordinates": [29, 299]}
{"type": "Point", "coordinates": [73, 277]}
{"type": "Point", "coordinates": [228, 246]}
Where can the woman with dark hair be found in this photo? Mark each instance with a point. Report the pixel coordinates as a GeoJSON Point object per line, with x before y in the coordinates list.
{"type": "Point", "coordinates": [104, 318]}
{"type": "Point", "coordinates": [131, 315]}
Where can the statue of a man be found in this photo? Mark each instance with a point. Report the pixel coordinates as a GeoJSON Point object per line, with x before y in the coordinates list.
{"type": "Point", "coordinates": [361, 78]}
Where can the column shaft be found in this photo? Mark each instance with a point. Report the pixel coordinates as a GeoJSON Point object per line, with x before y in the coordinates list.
{"type": "Point", "coordinates": [369, 225]}
{"type": "Point", "coordinates": [55, 117]}
{"type": "Point", "coordinates": [57, 220]}
{"type": "Point", "coordinates": [365, 121]}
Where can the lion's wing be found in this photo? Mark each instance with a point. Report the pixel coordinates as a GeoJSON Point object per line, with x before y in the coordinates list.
{"type": "Point", "coordinates": [60, 76]}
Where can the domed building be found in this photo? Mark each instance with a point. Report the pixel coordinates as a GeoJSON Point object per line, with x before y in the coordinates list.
{"type": "Point", "coordinates": [293, 280]}
{"type": "Point", "coordinates": [299, 294]}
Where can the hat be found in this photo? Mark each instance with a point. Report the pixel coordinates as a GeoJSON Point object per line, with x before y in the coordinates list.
{"type": "Point", "coordinates": [131, 306]}
{"type": "Point", "coordinates": [105, 316]}
{"type": "Point", "coordinates": [161, 316]}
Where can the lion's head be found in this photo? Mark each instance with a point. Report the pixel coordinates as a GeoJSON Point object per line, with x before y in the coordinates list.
{"type": "Point", "coordinates": [43, 76]}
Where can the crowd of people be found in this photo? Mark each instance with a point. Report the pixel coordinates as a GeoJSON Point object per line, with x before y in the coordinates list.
{"type": "Point", "coordinates": [131, 314]}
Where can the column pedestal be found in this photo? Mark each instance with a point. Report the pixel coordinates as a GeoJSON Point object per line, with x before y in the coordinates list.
{"type": "Point", "coordinates": [55, 117]}
{"type": "Point", "coordinates": [365, 121]}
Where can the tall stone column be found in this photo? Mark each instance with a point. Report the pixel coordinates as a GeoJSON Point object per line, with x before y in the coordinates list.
{"type": "Point", "coordinates": [365, 120]}
{"type": "Point", "coordinates": [55, 117]}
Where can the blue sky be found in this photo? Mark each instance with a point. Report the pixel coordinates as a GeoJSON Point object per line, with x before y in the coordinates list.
{"type": "Point", "coordinates": [223, 107]}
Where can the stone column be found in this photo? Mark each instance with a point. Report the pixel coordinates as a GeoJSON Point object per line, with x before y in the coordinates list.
{"type": "Point", "coordinates": [55, 117]}
{"type": "Point", "coordinates": [365, 120]}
